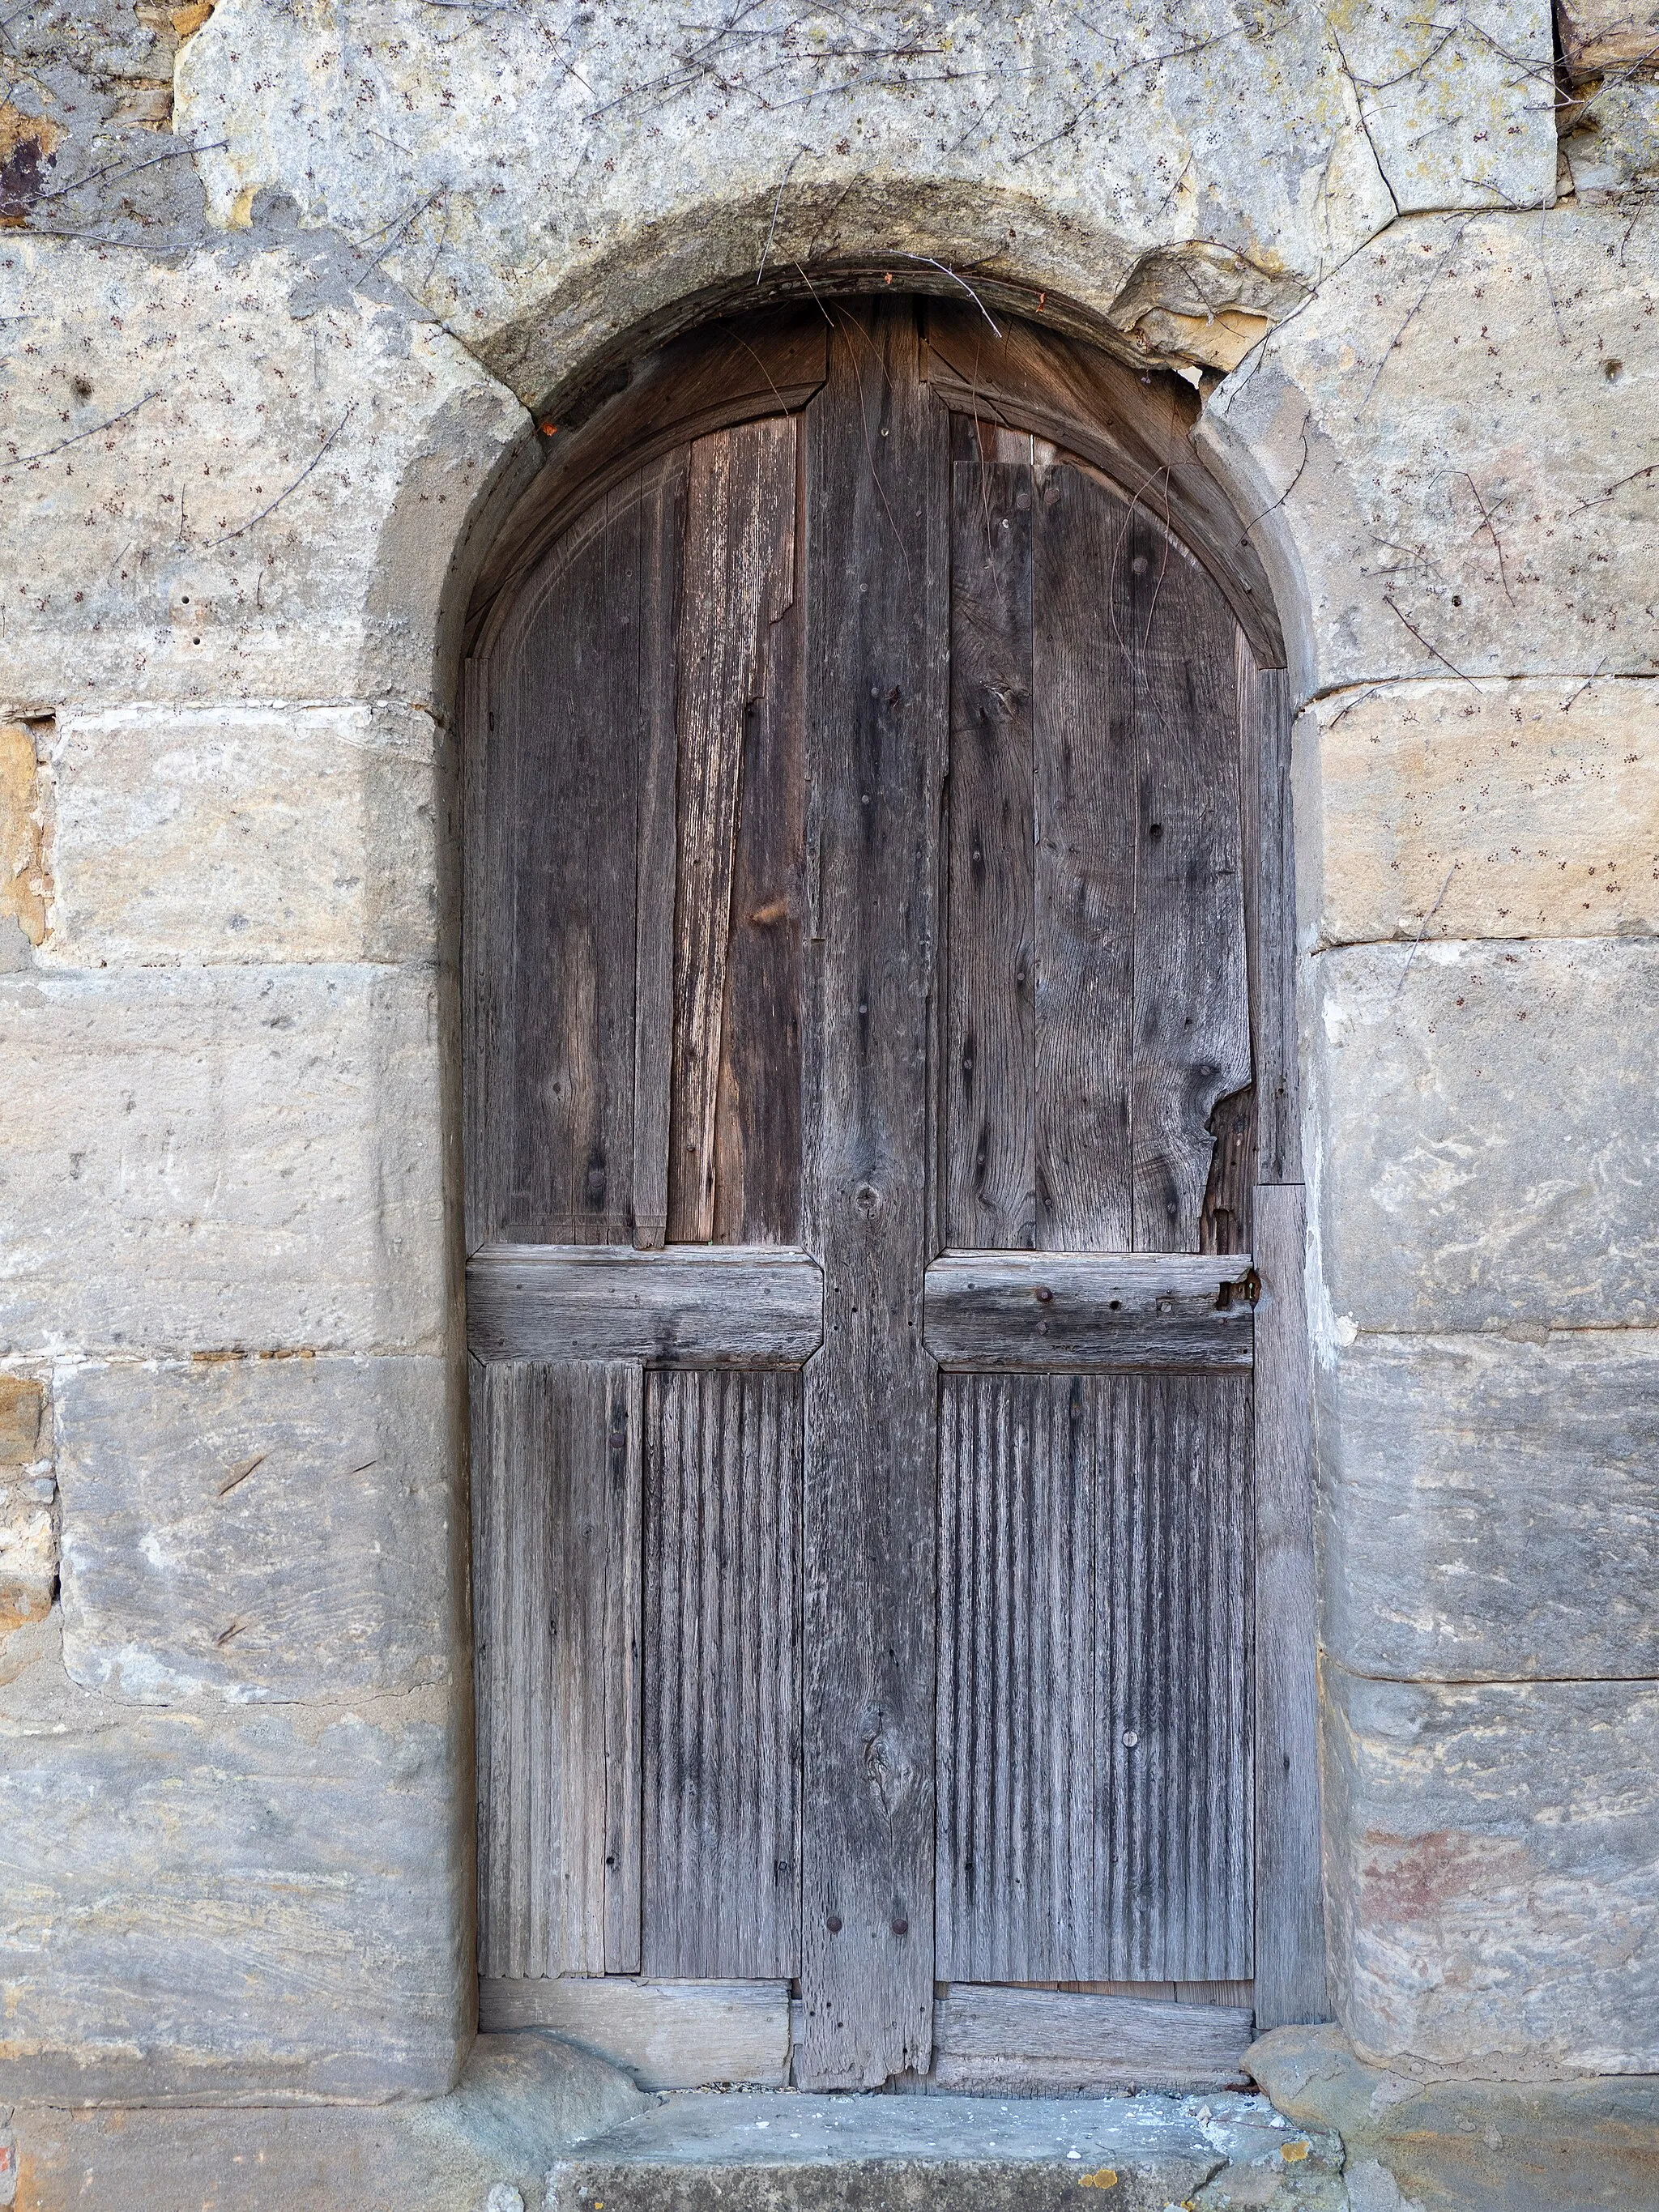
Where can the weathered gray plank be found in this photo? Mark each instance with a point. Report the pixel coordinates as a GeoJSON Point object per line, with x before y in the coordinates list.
{"type": "Point", "coordinates": [1084, 771]}
{"type": "Point", "coordinates": [877, 585]}
{"type": "Point", "coordinates": [754, 1305]}
{"type": "Point", "coordinates": [556, 1483]}
{"type": "Point", "coordinates": [1060, 1310]}
{"type": "Point", "coordinates": [1192, 1028]}
{"type": "Point", "coordinates": [655, 870]}
{"type": "Point", "coordinates": [990, 1165]}
{"type": "Point", "coordinates": [668, 2035]}
{"type": "Point", "coordinates": [1265, 720]}
{"type": "Point", "coordinates": [721, 1891]}
{"type": "Point", "coordinates": [1094, 1726]}
{"type": "Point", "coordinates": [737, 573]}
{"type": "Point", "coordinates": [985, 2039]}
{"type": "Point", "coordinates": [1290, 1941]}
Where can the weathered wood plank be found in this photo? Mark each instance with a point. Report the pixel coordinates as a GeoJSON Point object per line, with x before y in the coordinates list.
{"type": "Point", "coordinates": [1060, 1310]}
{"type": "Point", "coordinates": [990, 1165]}
{"type": "Point", "coordinates": [987, 2038]}
{"type": "Point", "coordinates": [1290, 1941]}
{"type": "Point", "coordinates": [732, 1305]}
{"type": "Point", "coordinates": [1084, 771]}
{"type": "Point", "coordinates": [1265, 724]}
{"type": "Point", "coordinates": [556, 1483]}
{"type": "Point", "coordinates": [1095, 1654]}
{"type": "Point", "coordinates": [655, 872]}
{"type": "Point", "coordinates": [878, 583]}
{"type": "Point", "coordinates": [737, 573]}
{"type": "Point", "coordinates": [721, 1893]}
{"type": "Point", "coordinates": [668, 2035]}
{"type": "Point", "coordinates": [1191, 1024]}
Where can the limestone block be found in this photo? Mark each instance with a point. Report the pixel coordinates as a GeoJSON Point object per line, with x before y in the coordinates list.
{"type": "Point", "coordinates": [1612, 146]}
{"type": "Point", "coordinates": [1489, 1134]}
{"type": "Point", "coordinates": [543, 178]}
{"type": "Point", "coordinates": [1492, 1507]}
{"type": "Point", "coordinates": [1499, 809]}
{"type": "Point", "coordinates": [259, 1528]}
{"type": "Point", "coordinates": [206, 496]}
{"type": "Point", "coordinates": [1493, 1872]}
{"type": "Point", "coordinates": [216, 1158]}
{"type": "Point", "coordinates": [264, 1906]}
{"type": "Point", "coordinates": [242, 834]}
{"type": "Point", "coordinates": [1454, 454]}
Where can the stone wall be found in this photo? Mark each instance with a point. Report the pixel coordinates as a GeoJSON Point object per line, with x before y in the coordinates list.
{"type": "Point", "coordinates": [284, 291]}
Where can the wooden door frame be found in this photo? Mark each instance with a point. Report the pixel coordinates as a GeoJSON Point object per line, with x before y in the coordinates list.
{"type": "Point", "coordinates": [1134, 427]}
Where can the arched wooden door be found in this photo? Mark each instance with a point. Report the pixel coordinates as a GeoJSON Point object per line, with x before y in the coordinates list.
{"type": "Point", "coordinates": [866, 1139]}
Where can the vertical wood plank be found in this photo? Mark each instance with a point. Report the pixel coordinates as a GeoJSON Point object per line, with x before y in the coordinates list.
{"type": "Point", "coordinates": [489, 808]}
{"type": "Point", "coordinates": [990, 1167]}
{"type": "Point", "coordinates": [622, 1659]}
{"type": "Point", "coordinates": [738, 580]}
{"type": "Point", "coordinates": [653, 998]}
{"type": "Point", "coordinates": [1191, 1038]}
{"type": "Point", "coordinates": [1290, 1947]}
{"type": "Point", "coordinates": [878, 490]}
{"type": "Point", "coordinates": [722, 1748]}
{"type": "Point", "coordinates": [1264, 721]}
{"type": "Point", "coordinates": [1083, 768]}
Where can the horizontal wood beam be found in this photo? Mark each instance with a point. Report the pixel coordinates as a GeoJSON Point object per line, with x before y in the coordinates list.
{"type": "Point", "coordinates": [986, 1311]}
{"type": "Point", "coordinates": [690, 1305]}
{"type": "Point", "coordinates": [668, 2035]}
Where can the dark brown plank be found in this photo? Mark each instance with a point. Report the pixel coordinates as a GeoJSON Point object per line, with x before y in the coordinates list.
{"type": "Point", "coordinates": [721, 1891]}
{"type": "Point", "coordinates": [1290, 1943]}
{"type": "Point", "coordinates": [1060, 1311]}
{"type": "Point", "coordinates": [1094, 1737]}
{"type": "Point", "coordinates": [1265, 723]}
{"type": "Point", "coordinates": [990, 1165]}
{"type": "Point", "coordinates": [1178, 680]}
{"type": "Point", "coordinates": [727, 1305]}
{"type": "Point", "coordinates": [877, 583]}
{"type": "Point", "coordinates": [555, 1489]}
{"type": "Point", "coordinates": [738, 578]}
{"type": "Point", "coordinates": [1085, 769]}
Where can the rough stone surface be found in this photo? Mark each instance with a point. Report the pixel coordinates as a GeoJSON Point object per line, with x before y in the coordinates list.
{"type": "Point", "coordinates": [1493, 1872]}
{"type": "Point", "coordinates": [1498, 810]}
{"type": "Point", "coordinates": [690, 154]}
{"type": "Point", "coordinates": [234, 1908]}
{"type": "Point", "coordinates": [1492, 1507]}
{"type": "Point", "coordinates": [1452, 453]}
{"type": "Point", "coordinates": [1609, 34]}
{"type": "Point", "coordinates": [224, 1524]}
{"type": "Point", "coordinates": [1445, 2145]}
{"type": "Point", "coordinates": [1489, 1142]}
{"type": "Point", "coordinates": [787, 2152]}
{"type": "Point", "coordinates": [225, 1158]}
{"type": "Point", "coordinates": [275, 522]}
{"type": "Point", "coordinates": [28, 1523]}
{"type": "Point", "coordinates": [236, 834]}
{"type": "Point", "coordinates": [522, 2101]}
{"type": "Point", "coordinates": [25, 882]}
{"type": "Point", "coordinates": [1610, 148]}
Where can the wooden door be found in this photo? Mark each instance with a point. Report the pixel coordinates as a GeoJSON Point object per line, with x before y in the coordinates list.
{"type": "Point", "coordinates": [863, 896]}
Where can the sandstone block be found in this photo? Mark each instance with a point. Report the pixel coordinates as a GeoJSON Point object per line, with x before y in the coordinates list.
{"type": "Point", "coordinates": [28, 1553]}
{"type": "Point", "coordinates": [20, 1400]}
{"type": "Point", "coordinates": [1492, 1507]}
{"type": "Point", "coordinates": [683, 164]}
{"type": "Point", "coordinates": [1489, 1134]}
{"type": "Point", "coordinates": [237, 834]}
{"type": "Point", "coordinates": [1501, 810]}
{"type": "Point", "coordinates": [259, 1529]}
{"type": "Point", "coordinates": [1454, 454]}
{"type": "Point", "coordinates": [1493, 1875]}
{"type": "Point", "coordinates": [239, 531]}
{"type": "Point", "coordinates": [221, 1158]}
{"type": "Point", "coordinates": [264, 1908]}
{"type": "Point", "coordinates": [1608, 34]}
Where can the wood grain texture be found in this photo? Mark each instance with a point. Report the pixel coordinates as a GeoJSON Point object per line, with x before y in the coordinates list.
{"type": "Point", "coordinates": [668, 2035]}
{"type": "Point", "coordinates": [721, 1887]}
{"type": "Point", "coordinates": [1095, 1645]}
{"type": "Point", "coordinates": [1192, 1028]}
{"type": "Point", "coordinates": [1290, 1943]}
{"type": "Point", "coordinates": [877, 624]}
{"type": "Point", "coordinates": [1085, 784]}
{"type": "Point", "coordinates": [1062, 1310]}
{"type": "Point", "coordinates": [724, 1305]}
{"type": "Point", "coordinates": [986, 2037]}
{"type": "Point", "coordinates": [1265, 722]}
{"type": "Point", "coordinates": [555, 1491]}
{"type": "Point", "coordinates": [738, 580]}
{"type": "Point", "coordinates": [990, 1165]}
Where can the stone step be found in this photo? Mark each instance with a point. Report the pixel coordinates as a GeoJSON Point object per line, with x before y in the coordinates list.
{"type": "Point", "coordinates": [790, 2151]}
